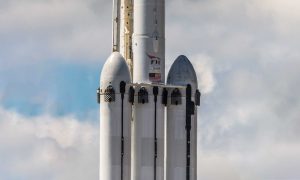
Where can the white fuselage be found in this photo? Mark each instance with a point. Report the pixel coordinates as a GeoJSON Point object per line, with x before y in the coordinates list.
{"type": "Point", "coordinates": [148, 67]}
{"type": "Point", "coordinates": [149, 41]}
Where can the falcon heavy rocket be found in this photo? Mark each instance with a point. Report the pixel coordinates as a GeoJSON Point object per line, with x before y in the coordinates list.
{"type": "Point", "coordinates": [148, 126]}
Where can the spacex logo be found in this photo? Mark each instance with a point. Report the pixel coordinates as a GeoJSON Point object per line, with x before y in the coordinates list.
{"type": "Point", "coordinates": [154, 59]}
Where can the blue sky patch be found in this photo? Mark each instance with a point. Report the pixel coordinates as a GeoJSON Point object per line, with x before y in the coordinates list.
{"type": "Point", "coordinates": [57, 88]}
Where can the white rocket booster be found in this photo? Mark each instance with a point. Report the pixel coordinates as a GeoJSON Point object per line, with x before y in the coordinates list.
{"type": "Point", "coordinates": [115, 120]}
{"type": "Point", "coordinates": [134, 97]}
{"type": "Point", "coordinates": [148, 111]}
{"type": "Point", "coordinates": [182, 122]}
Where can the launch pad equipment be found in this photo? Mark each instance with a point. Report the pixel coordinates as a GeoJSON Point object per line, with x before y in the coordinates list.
{"type": "Point", "coordinates": [148, 126]}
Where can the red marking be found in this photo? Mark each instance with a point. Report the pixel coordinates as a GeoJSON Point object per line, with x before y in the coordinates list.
{"type": "Point", "coordinates": [152, 57]}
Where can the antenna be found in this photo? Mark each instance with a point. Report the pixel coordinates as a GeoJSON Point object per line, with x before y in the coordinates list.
{"type": "Point", "coordinates": [116, 26]}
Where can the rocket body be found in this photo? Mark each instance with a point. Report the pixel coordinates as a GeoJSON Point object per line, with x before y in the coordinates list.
{"type": "Point", "coordinates": [149, 41]}
{"type": "Point", "coordinates": [181, 161]}
{"type": "Point", "coordinates": [148, 116]}
{"type": "Point", "coordinates": [148, 138]}
{"type": "Point", "coordinates": [115, 120]}
{"type": "Point", "coordinates": [138, 141]}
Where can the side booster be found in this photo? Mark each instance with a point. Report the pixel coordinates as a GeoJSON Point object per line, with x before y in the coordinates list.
{"type": "Point", "coordinates": [115, 120]}
{"type": "Point", "coordinates": [181, 161]}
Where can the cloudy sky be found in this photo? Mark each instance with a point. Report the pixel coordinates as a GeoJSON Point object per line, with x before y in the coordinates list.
{"type": "Point", "coordinates": [246, 54]}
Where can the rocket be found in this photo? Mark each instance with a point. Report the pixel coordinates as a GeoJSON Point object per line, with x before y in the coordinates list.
{"type": "Point", "coordinates": [148, 125]}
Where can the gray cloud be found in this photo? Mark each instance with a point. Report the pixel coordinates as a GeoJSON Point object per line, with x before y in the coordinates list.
{"type": "Point", "coordinates": [249, 118]}
{"type": "Point", "coordinates": [45, 147]}
{"type": "Point", "coordinates": [66, 30]}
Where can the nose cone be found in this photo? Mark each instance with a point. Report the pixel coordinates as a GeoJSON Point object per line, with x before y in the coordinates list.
{"type": "Point", "coordinates": [114, 71]}
{"type": "Point", "coordinates": [182, 73]}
